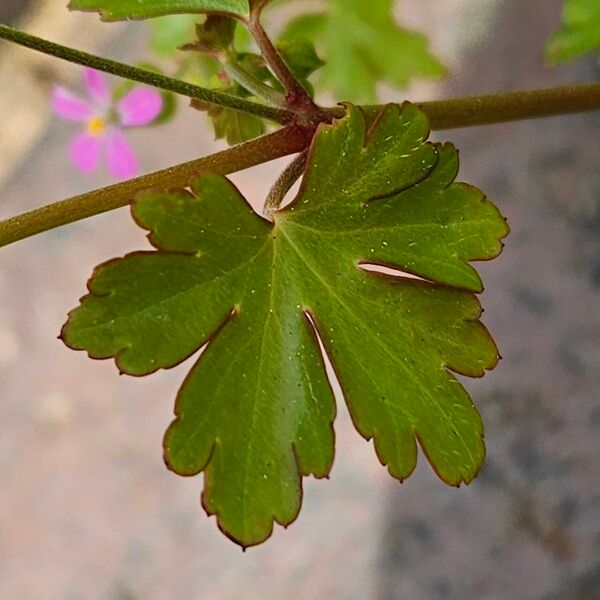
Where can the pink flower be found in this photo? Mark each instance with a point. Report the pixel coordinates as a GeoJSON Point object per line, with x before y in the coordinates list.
{"type": "Point", "coordinates": [105, 121]}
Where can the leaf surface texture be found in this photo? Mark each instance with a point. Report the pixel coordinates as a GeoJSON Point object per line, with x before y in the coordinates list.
{"type": "Point", "coordinates": [256, 411]}
{"type": "Point", "coordinates": [115, 10]}
{"type": "Point", "coordinates": [363, 45]}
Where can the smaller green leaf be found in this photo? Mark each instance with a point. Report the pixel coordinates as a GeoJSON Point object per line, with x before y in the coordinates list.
{"type": "Point", "coordinates": [254, 64]}
{"type": "Point", "coordinates": [363, 46]}
{"type": "Point", "coordinates": [580, 33]}
{"type": "Point", "coordinates": [119, 10]}
{"type": "Point", "coordinates": [300, 56]}
{"type": "Point", "coordinates": [236, 127]}
{"type": "Point", "coordinates": [214, 35]}
{"type": "Point", "coordinates": [308, 27]}
{"type": "Point", "coordinates": [302, 59]}
{"type": "Point", "coordinates": [232, 125]}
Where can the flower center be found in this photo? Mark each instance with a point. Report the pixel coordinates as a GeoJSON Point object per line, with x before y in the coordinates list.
{"type": "Point", "coordinates": [96, 126]}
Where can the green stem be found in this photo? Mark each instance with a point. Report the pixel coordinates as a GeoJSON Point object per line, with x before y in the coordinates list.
{"type": "Point", "coordinates": [257, 7]}
{"type": "Point", "coordinates": [512, 106]}
{"type": "Point", "coordinates": [297, 97]}
{"type": "Point", "coordinates": [254, 85]}
{"type": "Point", "coordinates": [284, 184]}
{"type": "Point", "coordinates": [278, 115]}
{"type": "Point", "coordinates": [283, 142]}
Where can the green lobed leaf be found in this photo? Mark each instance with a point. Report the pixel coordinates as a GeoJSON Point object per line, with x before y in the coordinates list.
{"type": "Point", "coordinates": [255, 412]}
{"type": "Point", "coordinates": [115, 10]}
{"type": "Point", "coordinates": [580, 33]}
{"type": "Point", "coordinates": [362, 46]}
{"type": "Point", "coordinates": [300, 56]}
{"type": "Point", "coordinates": [231, 125]}
{"type": "Point", "coordinates": [302, 59]}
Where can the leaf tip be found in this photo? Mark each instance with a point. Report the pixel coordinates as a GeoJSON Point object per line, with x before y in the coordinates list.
{"type": "Point", "coordinates": [465, 475]}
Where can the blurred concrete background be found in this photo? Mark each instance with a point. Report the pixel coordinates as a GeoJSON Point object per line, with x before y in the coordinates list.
{"type": "Point", "coordinates": [11, 10]}
{"type": "Point", "coordinates": [87, 509]}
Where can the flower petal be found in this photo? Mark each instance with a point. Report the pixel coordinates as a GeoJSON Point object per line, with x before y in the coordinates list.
{"type": "Point", "coordinates": [120, 158]}
{"type": "Point", "coordinates": [97, 87]}
{"type": "Point", "coordinates": [85, 151]}
{"type": "Point", "coordinates": [70, 106]}
{"type": "Point", "coordinates": [139, 107]}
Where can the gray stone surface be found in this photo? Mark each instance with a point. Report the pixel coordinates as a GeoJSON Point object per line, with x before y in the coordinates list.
{"type": "Point", "coordinates": [10, 10]}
